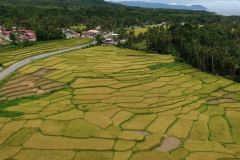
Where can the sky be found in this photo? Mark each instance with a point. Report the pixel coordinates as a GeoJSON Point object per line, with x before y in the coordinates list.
{"type": "Point", "coordinates": [225, 7]}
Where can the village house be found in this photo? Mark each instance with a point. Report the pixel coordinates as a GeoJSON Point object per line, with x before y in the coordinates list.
{"type": "Point", "coordinates": [109, 41]}
{"type": "Point", "coordinates": [70, 33]}
{"type": "Point", "coordinates": [27, 35]}
{"type": "Point", "coordinates": [5, 33]}
{"type": "Point", "coordinates": [111, 38]}
{"type": "Point", "coordinates": [90, 33]}
{"type": "Point", "coordinates": [21, 34]}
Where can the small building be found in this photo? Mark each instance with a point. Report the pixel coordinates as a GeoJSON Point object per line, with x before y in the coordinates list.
{"type": "Point", "coordinates": [182, 24]}
{"type": "Point", "coordinates": [110, 35]}
{"type": "Point", "coordinates": [109, 41]}
{"type": "Point", "coordinates": [21, 34]}
{"type": "Point", "coordinates": [115, 34]}
{"type": "Point", "coordinates": [90, 33]}
{"type": "Point", "coordinates": [70, 33]}
{"type": "Point", "coordinates": [27, 35]}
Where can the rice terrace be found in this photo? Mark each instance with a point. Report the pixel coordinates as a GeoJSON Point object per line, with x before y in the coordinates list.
{"type": "Point", "coordinates": [108, 103]}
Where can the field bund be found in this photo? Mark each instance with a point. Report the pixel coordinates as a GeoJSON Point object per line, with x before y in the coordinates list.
{"type": "Point", "coordinates": [118, 104]}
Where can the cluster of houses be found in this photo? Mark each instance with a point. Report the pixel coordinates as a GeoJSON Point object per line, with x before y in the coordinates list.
{"type": "Point", "coordinates": [20, 34]}
{"type": "Point", "coordinates": [29, 35]}
{"type": "Point", "coordinates": [109, 37]}
{"type": "Point", "coordinates": [93, 33]}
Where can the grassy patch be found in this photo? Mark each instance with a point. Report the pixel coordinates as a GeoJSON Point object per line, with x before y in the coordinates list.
{"type": "Point", "coordinates": [7, 104]}
{"type": "Point", "coordinates": [15, 102]}
{"type": "Point", "coordinates": [10, 114]}
{"type": "Point", "coordinates": [164, 65]}
{"type": "Point", "coordinates": [79, 28]}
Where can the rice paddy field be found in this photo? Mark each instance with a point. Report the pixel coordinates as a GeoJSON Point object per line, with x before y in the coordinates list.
{"type": "Point", "coordinates": [10, 56]}
{"type": "Point", "coordinates": [118, 104]}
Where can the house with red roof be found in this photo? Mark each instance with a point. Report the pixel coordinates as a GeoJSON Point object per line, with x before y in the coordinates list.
{"type": "Point", "coordinates": [21, 34]}
{"type": "Point", "coordinates": [27, 35]}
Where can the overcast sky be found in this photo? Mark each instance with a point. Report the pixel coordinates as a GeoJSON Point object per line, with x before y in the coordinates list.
{"type": "Point", "coordinates": [226, 7]}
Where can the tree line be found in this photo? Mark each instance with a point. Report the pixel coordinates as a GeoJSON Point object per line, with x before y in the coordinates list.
{"type": "Point", "coordinates": [213, 48]}
{"type": "Point", "coordinates": [46, 17]}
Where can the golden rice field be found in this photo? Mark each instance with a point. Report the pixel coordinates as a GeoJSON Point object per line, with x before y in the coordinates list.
{"type": "Point", "coordinates": [120, 104]}
{"type": "Point", "coordinates": [9, 57]}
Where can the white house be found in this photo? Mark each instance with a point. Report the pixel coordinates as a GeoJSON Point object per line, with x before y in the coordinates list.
{"type": "Point", "coordinates": [70, 33]}
{"type": "Point", "coordinates": [109, 41]}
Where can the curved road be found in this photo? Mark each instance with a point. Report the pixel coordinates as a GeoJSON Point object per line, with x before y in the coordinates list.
{"type": "Point", "coordinates": [9, 70]}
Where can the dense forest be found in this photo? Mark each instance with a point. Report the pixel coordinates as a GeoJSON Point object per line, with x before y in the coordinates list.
{"type": "Point", "coordinates": [108, 16]}
{"type": "Point", "coordinates": [49, 15]}
{"type": "Point", "coordinates": [214, 48]}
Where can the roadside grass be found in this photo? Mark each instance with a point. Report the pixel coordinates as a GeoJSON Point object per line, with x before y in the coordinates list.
{"type": "Point", "coordinates": [10, 103]}
{"type": "Point", "coordinates": [164, 65]}
{"type": "Point", "coordinates": [10, 114]}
